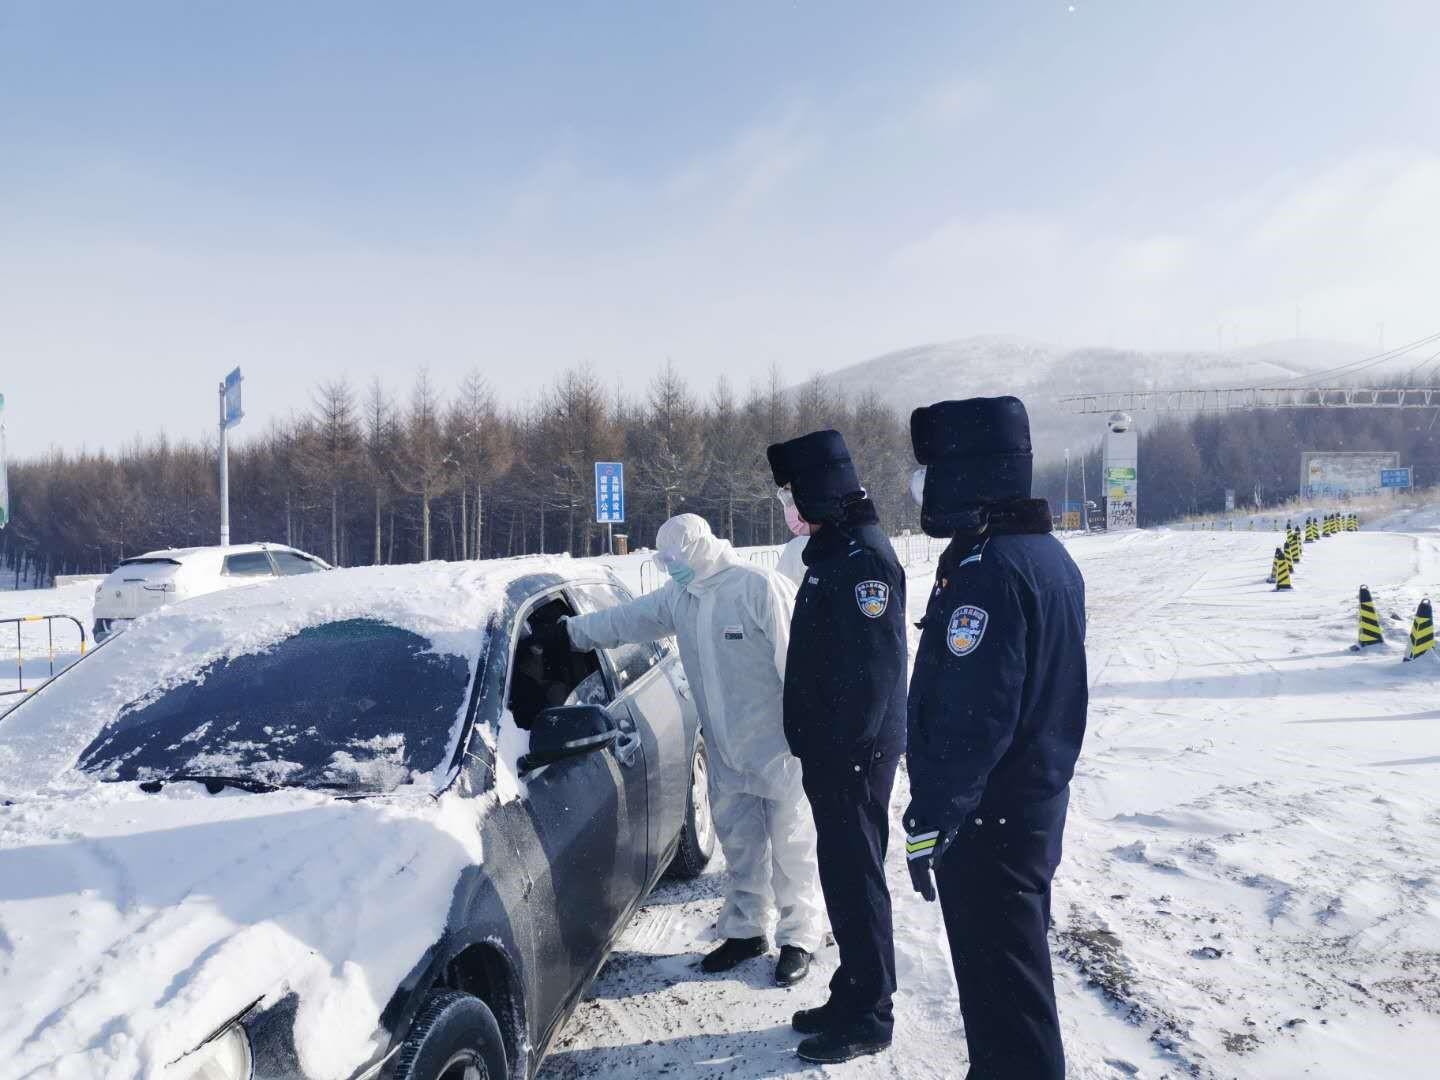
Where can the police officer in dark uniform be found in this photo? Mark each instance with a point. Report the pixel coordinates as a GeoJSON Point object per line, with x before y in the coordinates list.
{"type": "Point", "coordinates": [845, 721]}
{"type": "Point", "coordinates": [997, 714]}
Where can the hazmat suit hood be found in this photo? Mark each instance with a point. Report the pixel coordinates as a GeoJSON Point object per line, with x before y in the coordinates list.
{"type": "Point", "coordinates": [688, 538]}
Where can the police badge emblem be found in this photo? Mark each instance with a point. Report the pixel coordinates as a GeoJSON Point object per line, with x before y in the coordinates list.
{"type": "Point", "coordinates": [967, 627]}
{"type": "Point", "coordinates": [873, 598]}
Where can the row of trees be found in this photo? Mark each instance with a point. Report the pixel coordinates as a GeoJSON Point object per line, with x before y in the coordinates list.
{"type": "Point", "coordinates": [371, 477]}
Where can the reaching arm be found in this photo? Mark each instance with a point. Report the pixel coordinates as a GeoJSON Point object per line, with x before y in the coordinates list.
{"type": "Point", "coordinates": [646, 618]}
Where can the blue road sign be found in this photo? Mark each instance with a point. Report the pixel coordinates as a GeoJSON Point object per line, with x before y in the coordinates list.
{"type": "Point", "coordinates": [1395, 478]}
{"type": "Point", "coordinates": [609, 492]}
{"type": "Point", "coordinates": [233, 414]}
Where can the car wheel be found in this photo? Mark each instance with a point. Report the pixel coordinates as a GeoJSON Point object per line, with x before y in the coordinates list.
{"type": "Point", "coordinates": [697, 841]}
{"type": "Point", "coordinates": [455, 1037]}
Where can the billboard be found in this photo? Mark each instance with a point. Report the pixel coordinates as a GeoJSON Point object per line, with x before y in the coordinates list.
{"type": "Point", "coordinates": [1398, 479]}
{"type": "Point", "coordinates": [1121, 473]}
{"type": "Point", "coordinates": [1327, 474]}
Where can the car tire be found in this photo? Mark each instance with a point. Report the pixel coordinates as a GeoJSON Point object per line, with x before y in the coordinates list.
{"type": "Point", "coordinates": [697, 839]}
{"type": "Point", "coordinates": [455, 1037]}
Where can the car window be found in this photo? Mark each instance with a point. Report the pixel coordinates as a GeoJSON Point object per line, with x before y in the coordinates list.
{"type": "Point", "coordinates": [629, 661]}
{"type": "Point", "coordinates": [541, 679]}
{"type": "Point", "coordinates": [288, 563]}
{"type": "Point", "coordinates": [248, 564]}
{"type": "Point", "coordinates": [356, 704]}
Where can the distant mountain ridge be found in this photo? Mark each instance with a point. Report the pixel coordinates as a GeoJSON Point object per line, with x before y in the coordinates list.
{"type": "Point", "coordinates": [1041, 374]}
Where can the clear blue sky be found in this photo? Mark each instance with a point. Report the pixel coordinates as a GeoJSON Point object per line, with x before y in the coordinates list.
{"type": "Point", "coordinates": [323, 188]}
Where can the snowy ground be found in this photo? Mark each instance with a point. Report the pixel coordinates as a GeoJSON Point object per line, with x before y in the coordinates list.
{"type": "Point", "coordinates": [1250, 884]}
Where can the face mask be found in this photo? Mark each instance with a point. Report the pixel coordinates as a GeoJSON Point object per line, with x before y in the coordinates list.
{"type": "Point", "coordinates": [681, 574]}
{"type": "Point", "coordinates": [917, 486]}
{"type": "Point", "coordinates": [798, 525]}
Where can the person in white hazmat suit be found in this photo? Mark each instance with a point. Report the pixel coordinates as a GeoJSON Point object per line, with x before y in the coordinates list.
{"type": "Point", "coordinates": [732, 620]}
{"type": "Point", "coordinates": [792, 560]}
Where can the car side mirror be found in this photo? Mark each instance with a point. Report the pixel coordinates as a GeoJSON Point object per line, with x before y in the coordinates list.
{"type": "Point", "coordinates": [567, 731]}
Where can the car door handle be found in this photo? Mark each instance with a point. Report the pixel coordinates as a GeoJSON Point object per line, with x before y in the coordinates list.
{"type": "Point", "coordinates": [626, 747]}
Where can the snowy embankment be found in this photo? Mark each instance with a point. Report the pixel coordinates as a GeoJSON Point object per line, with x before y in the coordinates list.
{"type": "Point", "coordinates": [1249, 887]}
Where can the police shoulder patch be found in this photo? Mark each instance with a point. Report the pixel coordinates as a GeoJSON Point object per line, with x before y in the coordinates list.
{"type": "Point", "coordinates": [873, 598]}
{"type": "Point", "coordinates": [967, 627]}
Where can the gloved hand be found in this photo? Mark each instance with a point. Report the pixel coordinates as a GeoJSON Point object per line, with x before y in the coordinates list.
{"type": "Point", "coordinates": [549, 637]}
{"type": "Point", "coordinates": [923, 850]}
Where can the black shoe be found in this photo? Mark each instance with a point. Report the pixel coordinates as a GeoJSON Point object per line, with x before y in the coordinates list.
{"type": "Point", "coordinates": [814, 1021]}
{"type": "Point", "coordinates": [793, 965]}
{"type": "Point", "coordinates": [733, 951]}
{"type": "Point", "coordinates": [833, 1047]}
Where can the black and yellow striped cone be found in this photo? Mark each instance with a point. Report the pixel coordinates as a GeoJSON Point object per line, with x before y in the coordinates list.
{"type": "Point", "coordinates": [1422, 632]}
{"type": "Point", "coordinates": [1274, 568]}
{"type": "Point", "coordinates": [1293, 547]}
{"type": "Point", "coordinates": [1282, 571]}
{"type": "Point", "coordinates": [1370, 633]}
{"type": "Point", "coordinates": [1354, 522]}
{"type": "Point", "coordinates": [1326, 529]}
{"type": "Point", "coordinates": [1312, 531]}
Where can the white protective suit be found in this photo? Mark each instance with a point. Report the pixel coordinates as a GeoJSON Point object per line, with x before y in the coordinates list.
{"type": "Point", "coordinates": [792, 563]}
{"type": "Point", "coordinates": [733, 626]}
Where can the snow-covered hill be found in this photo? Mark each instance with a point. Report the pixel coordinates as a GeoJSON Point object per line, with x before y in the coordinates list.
{"type": "Point", "coordinates": [1041, 374]}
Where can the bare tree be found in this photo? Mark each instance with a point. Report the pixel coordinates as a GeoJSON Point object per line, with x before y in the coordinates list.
{"type": "Point", "coordinates": [338, 448]}
{"type": "Point", "coordinates": [421, 466]}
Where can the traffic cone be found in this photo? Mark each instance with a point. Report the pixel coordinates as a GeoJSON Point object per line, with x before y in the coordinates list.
{"type": "Point", "coordinates": [1282, 571]}
{"type": "Point", "coordinates": [1293, 547]}
{"type": "Point", "coordinates": [1370, 633]}
{"type": "Point", "coordinates": [1312, 531]}
{"type": "Point", "coordinates": [1354, 522]}
{"type": "Point", "coordinates": [1422, 632]}
{"type": "Point", "coordinates": [1274, 568]}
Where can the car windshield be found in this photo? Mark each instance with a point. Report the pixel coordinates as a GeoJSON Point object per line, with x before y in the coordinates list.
{"type": "Point", "coordinates": [358, 704]}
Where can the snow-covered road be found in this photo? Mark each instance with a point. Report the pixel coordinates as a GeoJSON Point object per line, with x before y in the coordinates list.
{"type": "Point", "coordinates": [1250, 884]}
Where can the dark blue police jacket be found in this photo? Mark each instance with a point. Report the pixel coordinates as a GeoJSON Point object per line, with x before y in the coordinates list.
{"type": "Point", "coordinates": [999, 693]}
{"type": "Point", "coordinates": [845, 671]}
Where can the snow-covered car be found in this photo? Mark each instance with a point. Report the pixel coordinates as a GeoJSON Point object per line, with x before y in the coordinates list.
{"type": "Point", "coordinates": [354, 825]}
{"type": "Point", "coordinates": [141, 584]}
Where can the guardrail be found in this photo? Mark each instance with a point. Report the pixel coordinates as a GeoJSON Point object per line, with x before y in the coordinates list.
{"type": "Point", "coordinates": [49, 621]}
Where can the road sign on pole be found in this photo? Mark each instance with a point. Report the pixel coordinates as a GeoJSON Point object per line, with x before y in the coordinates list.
{"type": "Point", "coordinates": [230, 415]}
{"type": "Point", "coordinates": [609, 492]}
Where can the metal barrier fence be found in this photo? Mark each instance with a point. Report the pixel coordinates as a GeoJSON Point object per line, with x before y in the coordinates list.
{"type": "Point", "coordinates": [649, 577]}
{"type": "Point", "coordinates": [768, 559]}
{"type": "Point", "coordinates": [49, 621]}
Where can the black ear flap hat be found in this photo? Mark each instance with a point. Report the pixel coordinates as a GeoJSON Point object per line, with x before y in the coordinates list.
{"type": "Point", "coordinates": [976, 453]}
{"type": "Point", "coordinates": [819, 471]}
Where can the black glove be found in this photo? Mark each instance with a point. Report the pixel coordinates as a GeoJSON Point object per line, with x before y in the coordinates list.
{"type": "Point", "coordinates": [549, 637]}
{"type": "Point", "coordinates": [924, 849]}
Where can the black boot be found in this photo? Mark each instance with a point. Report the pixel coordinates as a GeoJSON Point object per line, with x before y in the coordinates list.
{"type": "Point", "coordinates": [841, 1044]}
{"type": "Point", "coordinates": [733, 951]}
{"type": "Point", "coordinates": [814, 1021]}
{"type": "Point", "coordinates": [794, 965]}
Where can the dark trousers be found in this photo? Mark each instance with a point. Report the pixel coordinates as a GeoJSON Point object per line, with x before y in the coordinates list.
{"type": "Point", "coordinates": [994, 885]}
{"type": "Point", "coordinates": [852, 831]}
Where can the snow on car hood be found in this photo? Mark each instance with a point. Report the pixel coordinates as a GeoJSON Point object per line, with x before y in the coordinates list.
{"type": "Point", "coordinates": [132, 926]}
{"type": "Point", "coordinates": [449, 604]}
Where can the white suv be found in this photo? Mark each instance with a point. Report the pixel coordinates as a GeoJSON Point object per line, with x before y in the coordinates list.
{"type": "Point", "coordinates": [150, 581]}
